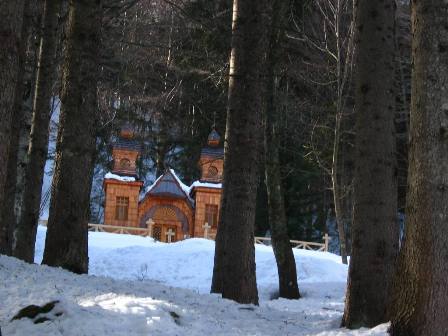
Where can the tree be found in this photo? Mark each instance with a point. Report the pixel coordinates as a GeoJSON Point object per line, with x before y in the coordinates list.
{"type": "Point", "coordinates": [66, 242]}
{"type": "Point", "coordinates": [11, 18]}
{"type": "Point", "coordinates": [419, 307]}
{"type": "Point", "coordinates": [284, 256]}
{"type": "Point", "coordinates": [234, 268]}
{"type": "Point", "coordinates": [37, 154]}
{"type": "Point", "coordinates": [374, 228]}
{"type": "Point", "coordinates": [21, 121]}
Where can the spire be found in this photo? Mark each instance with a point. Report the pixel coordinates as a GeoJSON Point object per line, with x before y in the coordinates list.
{"type": "Point", "coordinates": [213, 138]}
{"type": "Point", "coordinates": [127, 132]}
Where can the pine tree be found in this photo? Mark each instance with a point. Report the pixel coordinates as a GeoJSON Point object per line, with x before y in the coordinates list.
{"type": "Point", "coordinates": [421, 294]}
{"type": "Point", "coordinates": [375, 228]}
{"type": "Point", "coordinates": [67, 235]}
{"type": "Point", "coordinates": [234, 269]}
{"type": "Point", "coordinates": [11, 19]}
{"type": "Point", "coordinates": [286, 265]}
{"type": "Point", "coordinates": [38, 147]}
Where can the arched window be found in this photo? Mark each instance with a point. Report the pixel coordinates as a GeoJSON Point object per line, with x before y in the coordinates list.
{"type": "Point", "coordinates": [165, 213]}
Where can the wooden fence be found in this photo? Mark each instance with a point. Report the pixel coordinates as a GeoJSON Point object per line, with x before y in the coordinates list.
{"type": "Point", "coordinates": [296, 244]}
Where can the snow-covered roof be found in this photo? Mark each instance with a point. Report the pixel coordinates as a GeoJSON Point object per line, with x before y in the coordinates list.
{"type": "Point", "coordinates": [119, 177]}
{"type": "Point", "coordinates": [185, 188]}
{"type": "Point", "coordinates": [205, 185]}
{"type": "Point", "coordinates": [169, 184]}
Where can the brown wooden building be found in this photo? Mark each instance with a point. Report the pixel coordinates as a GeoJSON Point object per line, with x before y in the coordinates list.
{"type": "Point", "coordinates": [170, 209]}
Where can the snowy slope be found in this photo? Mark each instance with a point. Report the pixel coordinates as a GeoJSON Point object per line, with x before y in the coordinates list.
{"type": "Point", "coordinates": [141, 287]}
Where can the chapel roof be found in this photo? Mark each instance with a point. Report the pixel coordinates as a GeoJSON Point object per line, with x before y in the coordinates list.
{"type": "Point", "coordinates": [128, 144]}
{"type": "Point", "coordinates": [169, 185]}
{"type": "Point", "coordinates": [214, 136]}
{"type": "Point", "coordinates": [215, 152]}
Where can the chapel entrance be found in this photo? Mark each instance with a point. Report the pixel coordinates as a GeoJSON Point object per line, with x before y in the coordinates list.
{"type": "Point", "coordinates": [166, 233]}
{"type": "Point", "coordinates": [165, 225]}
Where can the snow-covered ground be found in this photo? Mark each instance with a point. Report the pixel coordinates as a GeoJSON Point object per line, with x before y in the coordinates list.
{"type": "Point", "coordinates": [140, 287]}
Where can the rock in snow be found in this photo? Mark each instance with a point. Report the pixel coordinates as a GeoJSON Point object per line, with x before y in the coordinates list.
{"type": "Point", "coordinates": [140, 287]}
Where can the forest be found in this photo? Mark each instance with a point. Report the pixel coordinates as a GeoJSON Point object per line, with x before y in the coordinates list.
{"type": "Point", "coordinates": [333, 119]}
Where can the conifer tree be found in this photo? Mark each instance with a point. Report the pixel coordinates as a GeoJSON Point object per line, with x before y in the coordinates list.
{"type": "Point", "coordinates": [234, 268]}
{"type": "Point", "coordinates": [374, 228]}
{"type": "Point", "coordinates": [286, 266]}
{"type": "Point", "coordinates": [37, 152]}
{"type": "Point", "coordinates": [11, 19]}
{"type": "Point", "coordinates": [421, 290]}
{"type": "Point", "coordinates": [66, 242]}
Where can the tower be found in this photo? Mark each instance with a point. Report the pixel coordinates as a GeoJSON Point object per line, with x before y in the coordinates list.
{"type": "Point", "coordinates": [212, 159]}
{"type": "Point", "coordinates": [121, 186]}
{"type": "Point", "coordinates": [207, 191]}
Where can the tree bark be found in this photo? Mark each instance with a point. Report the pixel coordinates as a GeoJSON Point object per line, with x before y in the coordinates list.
{"type": "Point", "coordinates": [337, 194]}
{"type": "Point", "coordinates": [66, 244]}
{"type": "Point", "coordinates": [7, 214]}
{"type": "Point", "coordinates": [419, 307]}
{"type": "Point", "coordinates": [38, 147]}
{"type": "Point", "coordinates": [11, 18]}
{"type": "Point", "coordinates": [286, 265]}
{"type": "Point", "coordinates": [374, 228]}
{"type": "Point", "coordinates": [234, 269]}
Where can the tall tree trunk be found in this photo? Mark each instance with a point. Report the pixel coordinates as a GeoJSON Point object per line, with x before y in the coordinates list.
{"type": "Point", "coordinates": [27, 106]}
{"type": "Point", "coordinates": [337, 192]}
{"type": "Point", "coordinates": [7, 214]}
{"type": "Point", "coordinates": [234, 270]}
{"type": "Point", "coordinates": [66, 244]}
{"type": "Point", "coordinates": [286, 265]}
{"type": "Point", "coordinates": [37, 152]}
{"type": "Point", "coordinates": [374, 227]}
{"type": "Point", "coordinates": [419, 307]}
{"type": "Point", "coordinates": [11, 18]}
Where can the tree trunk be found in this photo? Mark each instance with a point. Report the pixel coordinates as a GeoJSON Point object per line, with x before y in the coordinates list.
{"type": "Point", "coordinates": [374, 227]}
{"type": "Point", "coordinates": [419, 307]}
{"type": "Point", "coordinates": [11, 18]}
{"type": "Point", "coordinates": [7, 214]}
{"type": "Point", "coordinates": [37, 152]}
{"type": "Point", "coordinates": [234, 270]}
{"type": "Point", "coordinates": [66, 244]}
{"type": "Point", "coordinates": [337, 197]}
{"type": "Point", "coordinates": [286, 265]}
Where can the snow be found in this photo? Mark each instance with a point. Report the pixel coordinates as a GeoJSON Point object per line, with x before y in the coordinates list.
{"type": "Point", "coordinates": [137, 286]}
{"type": "Point", "coordinates": [153, 185]}
{"type": "Point", "coordinates": [119, 178]}
{"type": "Point", "coordinates": [205, 185]}
{"type": "Point", "coordinates": [184, 187]}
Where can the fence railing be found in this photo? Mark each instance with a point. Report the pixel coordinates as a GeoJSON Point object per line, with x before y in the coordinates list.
{"type": "Point", "coordinates": [112, 229]}
{"type": "Point", "coordinates": [296, 244]}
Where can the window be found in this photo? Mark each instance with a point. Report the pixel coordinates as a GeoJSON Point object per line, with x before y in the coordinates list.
{"type": "Point", "coordinates": [212, 171]}
{"type": "Point", "coordinates": [121, 210]}
{"type": "Point", "coordinates": [211, 215]}
{"type": "Point", "coordinates": [125, 164]}
{"type": "Point", "coordinates": [157, 232]}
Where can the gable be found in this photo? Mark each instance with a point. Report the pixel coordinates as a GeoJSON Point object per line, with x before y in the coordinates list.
{"type": "Point", "coordinates": [166, 186]}
{"type": "Point", "coordinates": [169, 185]}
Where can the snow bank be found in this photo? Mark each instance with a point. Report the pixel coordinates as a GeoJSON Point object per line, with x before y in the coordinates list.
{"type": "Point", "coordinates": [189, 263]}
{"type": "Point", "coordinates": [133, 289]}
